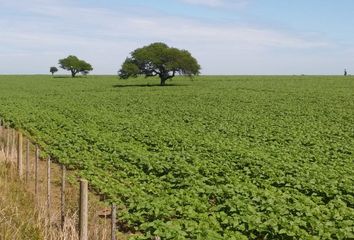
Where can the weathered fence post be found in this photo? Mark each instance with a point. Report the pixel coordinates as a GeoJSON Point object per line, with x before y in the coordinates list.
{"type": "Point", "coordinates": [27, 160]}
{"type": "Point", "coordinates": [9, 132]}
{"type": "Point", "coordinates": [113, 222]}
{"type": "Point", "coordinates": [36, 173]}
{"type": "Point", "coordinates": [83, 220]}
{"type": "Point", "coordinates": [13, 147]}
{"type": "Point", "coordinates": [48, 195]}
{"type": "Point", "coordinates": [2, 136]}
{"type": "Point", "coordinates": [62, 191]}
{"type": "Point", "coordinates": [7, 143]}
{"type": "Point", "coordinates": [19, 155]}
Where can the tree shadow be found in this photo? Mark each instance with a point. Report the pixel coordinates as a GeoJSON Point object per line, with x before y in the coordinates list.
{"type": "Point", "coordinates": [68, 76]}
{"type": "Point", "coordinates": [146, 85]}
{"type": "Point", "coordinates": [61, 76]}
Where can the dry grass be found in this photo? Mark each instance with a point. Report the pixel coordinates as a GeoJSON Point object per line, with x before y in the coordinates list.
{"type": "Point", "coordinates": [18, 217]}
{"type": "Point", "coordinates": [21, 219]}
{"type": "Point", "coordinates": [23, 216]}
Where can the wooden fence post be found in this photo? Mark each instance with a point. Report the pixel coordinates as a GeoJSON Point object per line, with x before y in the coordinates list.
{"type": "Point", "coordinates": [36, 173]}
{"type": "Point", "coordinates": [7, 143]}
{"type": "Point", "coordinates": [113, 222]}
{"type": "Point", "coordinates": [27, 160]}
{"type": "Point", "coordinates": [9, 132]}
{"type": "Point", "coordinates": [2, 136]}
{"type": "Point", "coordinates": [13, 147]}
{"type": "Point", "coordinates": [83, 220]}
{"type": "Point", "coordinates": [48, 195]}
{"type": "Point", "coordinates": [63, 173]}
{"type": "Point", "coordinates": [19, 155]}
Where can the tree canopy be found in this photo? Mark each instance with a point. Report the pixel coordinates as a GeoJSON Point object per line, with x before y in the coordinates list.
{"type": "Point", "coordinates": [157, 59]}
{"type": "Point", "coordinates": [75, 65]}
{"type": "Point", "coordinates": [53, 70]}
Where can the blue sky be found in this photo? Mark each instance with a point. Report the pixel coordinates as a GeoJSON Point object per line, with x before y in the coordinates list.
{"type": "Point", "coordinates": [226, 36]}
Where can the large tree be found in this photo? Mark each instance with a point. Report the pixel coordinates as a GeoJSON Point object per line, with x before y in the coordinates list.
{"type": "Point", "coordinates": [74, 65]}
{"type": "Point", "coordinates": [157, 59]}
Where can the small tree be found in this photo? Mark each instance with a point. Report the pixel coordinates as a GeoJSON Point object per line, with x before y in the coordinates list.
{"type": "Point", "coordinates": [157, 59]}
{"type": "Point", "coordinates": [53, 70]}
{"type": "Point", "coordinates": [74, 65]}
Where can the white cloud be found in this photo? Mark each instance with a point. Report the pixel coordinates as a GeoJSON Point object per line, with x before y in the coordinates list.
{"type": "Point", "coordinates": [218, 3]}
{"type": "Point", "coordinates": [211, 3]}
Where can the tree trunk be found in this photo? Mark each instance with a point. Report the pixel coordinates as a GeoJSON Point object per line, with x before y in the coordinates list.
{"type": "Point", "coordinates": [73, 73]}
{"type": "Point", "coordinates": [163, 81]}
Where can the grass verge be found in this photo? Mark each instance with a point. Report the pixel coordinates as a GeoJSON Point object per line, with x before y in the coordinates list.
{"type": "Point", "coordinates": [19, 218]}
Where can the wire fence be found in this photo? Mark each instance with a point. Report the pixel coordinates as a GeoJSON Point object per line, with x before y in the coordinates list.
{"type": "Point", "coordinates": [60, 198]}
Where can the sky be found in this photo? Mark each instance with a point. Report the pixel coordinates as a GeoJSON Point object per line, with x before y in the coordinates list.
{"type": "Point", "coordinates": [227, 37]}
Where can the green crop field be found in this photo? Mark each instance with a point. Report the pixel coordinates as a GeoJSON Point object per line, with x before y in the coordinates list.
{"type": "Point", "coordinates": [213, 158]}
